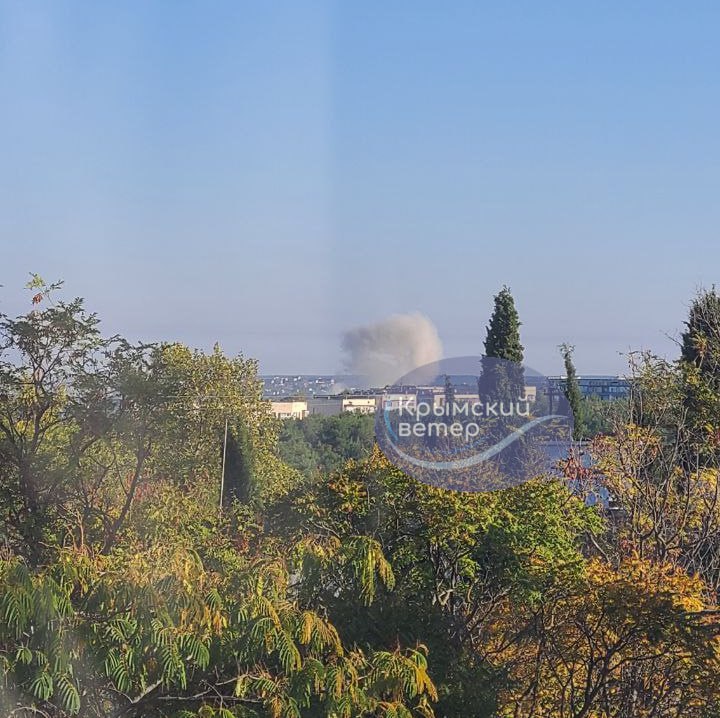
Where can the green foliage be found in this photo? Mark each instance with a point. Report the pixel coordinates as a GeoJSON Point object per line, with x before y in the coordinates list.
{"type": "Point", "coordinates": [504, 380]}
{"type": "Point", "coordinates": [700, 368]}
{"type": "Point", "coordinates": [451, 556]}
{"type": "Point", "coordinates": [601, 417]}
{"type": "Point", "coordinates": [154, 627]}
{"type": "Point", "coordinates": [205, 390]}
{"type": "Point", "coordinates": [55, 345]}
{"type": "Point", "coordinates": [127, 590]}
{"type": "Point", "coordinates": [503, 331]}
{"type": "Point", "coordinates": [701, 338]}
{"type": "Point", "coordinates": [240, 483]}
{"type": "Point", "coordinates": [322, 444]}
{"type": "Point", "coordinates": [572, 393]}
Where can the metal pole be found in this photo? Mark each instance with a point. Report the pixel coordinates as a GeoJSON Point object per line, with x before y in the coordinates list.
{"type": "Point", "coordinates": [222, 477]}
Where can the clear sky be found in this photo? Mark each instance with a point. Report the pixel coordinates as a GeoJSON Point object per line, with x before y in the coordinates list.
{"type": "Point", "coordinates": [270, 174]}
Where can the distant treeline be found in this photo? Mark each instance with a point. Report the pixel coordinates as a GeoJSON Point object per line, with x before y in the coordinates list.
{"type": "Point", "coordinates": [318, 444]}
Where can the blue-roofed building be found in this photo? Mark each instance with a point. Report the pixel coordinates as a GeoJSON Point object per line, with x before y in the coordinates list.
{"type": "Point", "coordinates": [607, 388]}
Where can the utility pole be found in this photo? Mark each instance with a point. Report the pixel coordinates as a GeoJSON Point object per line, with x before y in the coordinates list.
{"type": "Point", "coordinates": [222, 475]}
{"type": "Point", "coordinates": [197, 404]}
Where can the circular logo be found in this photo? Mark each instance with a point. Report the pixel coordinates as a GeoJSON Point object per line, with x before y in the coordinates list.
{"type": "Point", "coordinates": [473, 424]}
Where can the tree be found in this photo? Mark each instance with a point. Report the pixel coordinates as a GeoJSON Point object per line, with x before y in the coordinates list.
{"type": "Point", "coordinates": [204, 390]}
{"type": "Point", "coordinates": [156, 630]}
{"type": "Point", "coordinates": [124, 592]}
{"type": "Point", "coordinates": [701, 338]}
{"type": "Point", "coordinates": [599, 415]}
{"type": "Point", "coordinates": [700, 368]}
{"type": "Point", "coordinates": [455, 557]}
{"type": "Point", "coordinates": [503, 331]}
{"type": "Point", "coordinates": [652, 467]}
{"type": "Point", "coordinates": [504, 379]}
{"type": "Point", "coordinates": [78, 414]}
{"type": "Point", "coordinates": [633, 640]}
{"type": "Point", "coordinates": [240, 483]}
{"type": "Point", "coordinates": [322, 444]}
{"type": "Point", "coordinates": [572, 392]}
{"type": "Point", "coordinates": [358, 592]}
{"type": "Point", "coordinates": [449, 396]}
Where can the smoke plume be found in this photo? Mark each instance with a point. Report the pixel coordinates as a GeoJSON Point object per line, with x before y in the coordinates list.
{"type": "Point", "coordinates": [386, 350]}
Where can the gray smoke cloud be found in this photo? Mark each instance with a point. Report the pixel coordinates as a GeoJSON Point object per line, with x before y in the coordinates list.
{"type": "Point", "coordinates": [386, 350]}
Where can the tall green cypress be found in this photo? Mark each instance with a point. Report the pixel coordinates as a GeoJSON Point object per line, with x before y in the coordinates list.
{"type": "Point", "coordinates": [701, 338]}
{"type": "Point", "coordinates": [572, 392]}
{"type": "Point", "coordinates": [503, 331]}
{"type": "Point", "coordinates": [449, 396]}
{"type": "Point", "coordinates": [239, 467]}
{"type": "Point", "coordinates": [700, 369]}
{"type": "Point", "coordinates": [501, 380]}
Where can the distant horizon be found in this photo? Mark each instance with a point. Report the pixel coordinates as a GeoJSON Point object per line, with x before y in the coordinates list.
{"type": "Point", "coordinates": [543, 357]}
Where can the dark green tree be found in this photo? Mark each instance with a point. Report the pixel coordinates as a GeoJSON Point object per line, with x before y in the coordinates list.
{"type": "Point", "coordinates": [240, 481]}
{"type": "Point", "coordinates": [701, 338]}
{"type": "Point", "coordinates": [449, 396]}
{"type": "Point", "coordinates": [572, 392]}
{"type": "Point", "coordinates": [700, 370]}
{"type": "Point", "coordinates": [502, 371]}
{"type": "Point", "coordinates": [318, 443]}
{"type": "Point", "coordinates": [600, 416]}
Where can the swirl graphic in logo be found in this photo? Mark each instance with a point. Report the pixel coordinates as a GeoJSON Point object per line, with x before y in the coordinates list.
{"type": "Point", "coordinates": [473, 424]}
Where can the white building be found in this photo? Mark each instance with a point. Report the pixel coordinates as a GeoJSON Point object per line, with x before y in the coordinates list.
{"type": "Point", "coordinates": [289, 409]}
{"type": "Point", "coordinates": [359, 404]}
{"type": "Point", "coordinates": [340, 403]}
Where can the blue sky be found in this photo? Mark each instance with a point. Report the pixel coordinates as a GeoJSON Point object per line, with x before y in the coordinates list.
{"type": "Point", "coordinates": [270, 174]}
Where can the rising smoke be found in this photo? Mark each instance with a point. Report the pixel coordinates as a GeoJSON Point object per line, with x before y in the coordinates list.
{"type": "Point", "coordinates": [383, 352]}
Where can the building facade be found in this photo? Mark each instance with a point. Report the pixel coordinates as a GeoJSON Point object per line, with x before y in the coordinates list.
{"type": "Point", "coordinates": [606, 388]}
{"type": "Point", "coordinates": [289, 409]}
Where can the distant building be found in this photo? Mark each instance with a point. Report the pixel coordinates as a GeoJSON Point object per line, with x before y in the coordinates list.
{"type": "Point", "coordinates": [606, 388]}
{"type": "Point", "coordinates": [369, 401]}
{"type": "Point", "coordinates": [342, 403]}
{"type": "Point", "coordinates": [394, 398]}
{"type": "Point", "coordinates": [460, 399]}
{"type": "Point", "coordinates": [289, 409]}
{"type": "Point", "coordinates": [359, 404]}
{"type": "Point", "coordinates": [279, 386]}
{"type": "Point", "coordinates": [465, 397]}
{"type": "Point", "coordinates": [325, 405]}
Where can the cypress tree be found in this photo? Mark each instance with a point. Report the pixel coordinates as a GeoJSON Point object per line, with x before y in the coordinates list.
{"type": "Point", "coordinates": [501, 380]}
{"type": "Point", "coordinates": [572, 392]}
{"type": "Point", "coordinates": [449, 397]}
{"type": "Point", "coordinates": [239, 467]}
{"type": "Point", "coordinates": [700, 369]}
{"type": "Point", "coordinates": [701, 339]}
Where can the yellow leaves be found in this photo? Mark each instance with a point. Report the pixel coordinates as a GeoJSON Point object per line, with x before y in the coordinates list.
{"type": "Point", "coordinates": [218, 621]}
{"type": "Point", "coordinates": [368, 560]}
{"type": "Point", "coordinates": [306, 626]}
{"type": "Point", "coordinates": [640, 589]}
{"type": "Point", "coordinates": [241, 686]}
{"type": "Point", "coordinates": [422, 682]}
{"type": "Point", "coordinates": [318, 634]}
{"type": "Point", "coordinates": [634, 619]}
{"type": "Point", "coordinates": [319, 548]}
{"type": "Point", "coordinates": [336, 684]}
{"type": "Point", "coordinates": [402, 675]}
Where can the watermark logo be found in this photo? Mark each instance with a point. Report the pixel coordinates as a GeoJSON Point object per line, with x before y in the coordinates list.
{"type": "Point", "coordinates": [473, 424]}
